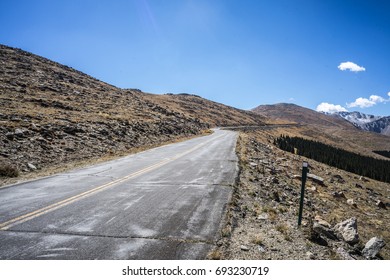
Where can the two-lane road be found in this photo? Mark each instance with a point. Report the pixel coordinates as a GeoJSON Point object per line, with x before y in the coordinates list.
{"type": "Point", "coordinates": [164, 203]}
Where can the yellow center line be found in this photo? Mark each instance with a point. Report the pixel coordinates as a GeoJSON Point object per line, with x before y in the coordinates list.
{"type": "Point", "coordinates": [34, 214]}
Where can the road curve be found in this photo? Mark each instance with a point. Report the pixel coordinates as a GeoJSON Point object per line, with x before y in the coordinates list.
{"type": "Point", "coordinates": [164, 203]}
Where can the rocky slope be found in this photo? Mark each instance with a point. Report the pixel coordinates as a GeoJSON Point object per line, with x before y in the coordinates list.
{"type": "Point", "coordinates": [52, 115]}
{"type": "Point", "coordinates": [342, 211]}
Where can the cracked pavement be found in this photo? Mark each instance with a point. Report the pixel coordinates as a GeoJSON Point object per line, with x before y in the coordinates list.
{"type": "Point", "coordinates": [164, 203]}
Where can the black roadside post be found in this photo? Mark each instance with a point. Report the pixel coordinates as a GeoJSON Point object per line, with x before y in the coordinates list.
{"type": "Point", "coordinates": [304, 176]}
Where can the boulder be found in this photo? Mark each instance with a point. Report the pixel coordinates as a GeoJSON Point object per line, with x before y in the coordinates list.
{"type": "Point", "coordinates": [324, 230]}
{"type": "Point", "coordinates": [372, 247]}
{"type": "Point", "coordinates": [347, 231]}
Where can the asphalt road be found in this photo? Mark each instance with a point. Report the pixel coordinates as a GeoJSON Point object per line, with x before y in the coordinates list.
{"type": "Point", "coordinates": [164, 203]}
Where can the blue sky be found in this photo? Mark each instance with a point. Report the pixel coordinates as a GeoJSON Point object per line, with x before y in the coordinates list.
{"type": "Point", "coordinates": [241, 53]}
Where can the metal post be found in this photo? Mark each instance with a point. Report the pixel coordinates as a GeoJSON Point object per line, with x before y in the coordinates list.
{"type": "Point", "coordinates": [304, 177]}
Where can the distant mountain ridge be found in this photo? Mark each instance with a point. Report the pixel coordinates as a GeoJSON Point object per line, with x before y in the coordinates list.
{"type": "Point", "coordinates": [367, 122]}
{"type": "Point", "coordinates": [330, 129]}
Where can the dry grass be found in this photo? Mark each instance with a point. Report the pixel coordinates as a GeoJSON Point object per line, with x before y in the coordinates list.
{"type": "Point", "coordinates": [8, 170]}
{"type": "Point", "coordinates": [214, 255]}
{"type": "Point", "coordinates": [258, 239]}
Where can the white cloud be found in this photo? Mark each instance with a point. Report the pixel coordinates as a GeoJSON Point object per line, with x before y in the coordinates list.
{"type": "Point", "coordinates": [361, 102]}
{"type": "Point", "coordinates": [365, 103]}
{"type": "Point", "coordinates": [353, 67]}
{"type": "Point", "coordinates": [377, 99]}
{"type": "Point", "coordinates": [330, 108]}
{"type": "Point", "coordinates": [388, 93]}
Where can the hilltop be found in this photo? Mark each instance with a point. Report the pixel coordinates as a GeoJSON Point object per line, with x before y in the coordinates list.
{"type": "Point", "coordinates": [53, 115]}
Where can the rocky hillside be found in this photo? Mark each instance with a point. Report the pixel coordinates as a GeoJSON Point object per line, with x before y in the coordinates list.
{"type": "Point", "coordinates": [213, 113]}
{"type": "Point", "coordinates": [52, 115]}
{"type": "Point", "coordinates": [329, 129]}
{"type": "Point", "coordinates": [345, 216]}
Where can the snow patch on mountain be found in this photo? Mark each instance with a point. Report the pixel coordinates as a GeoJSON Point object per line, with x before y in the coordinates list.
{"type": "Point", "coordinates": [357, 118]}
{"type": "Point", "coordinates": [367, 122]}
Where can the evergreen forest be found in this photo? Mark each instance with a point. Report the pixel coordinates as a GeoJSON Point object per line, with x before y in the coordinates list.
{"type": "Point", "coordinates": [373, 168]}
{"type": "Point", "coordinates": [383, 153]}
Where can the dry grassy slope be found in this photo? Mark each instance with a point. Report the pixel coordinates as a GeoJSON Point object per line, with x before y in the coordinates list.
{"type": "Point", "coordinates": [52, 114]}
{"type": "Point", "coordinates": [213, 113]}
{"type": "Point", "coordinates": [262, 216]}
{"type": "Point", "coordinates": [328, 129]}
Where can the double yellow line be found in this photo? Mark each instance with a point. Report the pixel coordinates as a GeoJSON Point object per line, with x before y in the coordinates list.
{"type": "Point", "coordinates": [26, 217]}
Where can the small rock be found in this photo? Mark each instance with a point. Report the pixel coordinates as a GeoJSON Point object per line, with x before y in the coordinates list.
{"type": "Point", "coordinates": [347, 231]}
{"type": "Point", "coordinates": [338, 178]}
{"type": "Point", "coordinates": [372, 248]}
{"type": "Point", "coordinates": [276, 196]}
{"type": "Point", "coordinates": [33, 126]}
{"type": "Point", "coordinates": [316, 179]}
{"type": "Point", "coordinates": [380, 204]}
{"type": "Point", "coordinates": [344, 254]}
{"type": "Point", "coordinates": [31, 166]}
{"type": "Point", "coordinates": [263, 216]}
{"type": "Point", "coordinates": [363, 179]}
{"type": "Point", "coordinates": [19, 131]}
{"type": "Point", "coordinates": [324, 230]}
{"type": "Point", "coordinates": [321, 221]}
{"type": "Point", "coordinates": [339, 194]}
{"type": "Point", "coordinates": [351, 202]}
{"type": "Point", "coordinates": [310, 255]}
{"type": "Point", "coordinates": [261, 249]}
{"type": "Point", "coordinates": [244, 248]}
{"type": "Point", "coordinates": [358, 186]}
